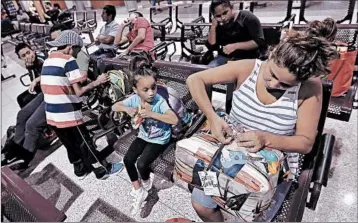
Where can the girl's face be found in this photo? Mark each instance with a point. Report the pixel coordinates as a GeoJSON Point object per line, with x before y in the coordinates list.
{"type": "Point", "coordinates": [146, 88]}
{"type": "Point", "coordinates": [278, 78]}
{"type": "Point", "coordinates": [223, 14]}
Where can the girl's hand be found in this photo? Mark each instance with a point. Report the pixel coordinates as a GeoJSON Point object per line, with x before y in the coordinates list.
{"type": "Point", "coordinates": [131, 112]}
{"type": "Point", "coordinates": [145, 113]}
{"type": "Point", "coordinates": [253, 140]}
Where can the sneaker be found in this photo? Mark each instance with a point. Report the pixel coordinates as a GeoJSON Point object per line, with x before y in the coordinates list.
{"type": "Point", "coordinates": [102, 173]}
{"type": "Point", "coordinates": [80, 169]}
{"type": "Point", "coordinates": [116, 168]}
{"type": "Point", "coordinates": [140, 197]}
{"type": "Point", "coordinates": [132, 193]}
{"type": "Point", "coordinates": [13, 161]}
{"type": "Point", "coordinates": [148, 184]}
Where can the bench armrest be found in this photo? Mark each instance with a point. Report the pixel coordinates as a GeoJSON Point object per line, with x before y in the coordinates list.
{"type": "Point", "coordinates": [322, 168]}
{"type": "Point", "coordinates": [29, 204]}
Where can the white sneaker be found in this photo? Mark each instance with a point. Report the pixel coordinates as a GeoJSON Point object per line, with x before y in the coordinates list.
{"type": "Point", "coordinates": [148, 184]}
{"type": "Point", "coordinates": [140, 197]}
{"type": "Point", "coordinates": [132, 193]}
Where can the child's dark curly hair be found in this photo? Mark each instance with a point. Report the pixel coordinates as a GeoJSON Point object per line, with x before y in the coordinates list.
{"type": "Point", "coordinates": [304, 56]}
{"type": "Point", "coordinates": [140, 66]}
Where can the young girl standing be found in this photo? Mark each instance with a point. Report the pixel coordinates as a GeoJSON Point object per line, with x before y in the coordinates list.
{"type": "Point", "coordinates": [154, 131]}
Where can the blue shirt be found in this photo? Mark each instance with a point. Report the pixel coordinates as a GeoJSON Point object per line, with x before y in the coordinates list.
{"type": "Point", "coordinates": [152, 130]}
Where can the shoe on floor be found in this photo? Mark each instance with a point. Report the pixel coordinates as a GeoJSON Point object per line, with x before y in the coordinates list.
{"type": "Point", "coordinates": [147, 185]}
{"type": "Point", "coordinates": [80, 170]}
{"type": "Point", "coordinates": [140, 196]}
{"type": "Point", "coordinates": [103, 173]}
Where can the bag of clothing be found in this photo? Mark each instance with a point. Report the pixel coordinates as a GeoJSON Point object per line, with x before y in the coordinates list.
{"type": "Point", "coordinates": [245, 182]}
{"type": "Point", "coordinates": [342, 72]}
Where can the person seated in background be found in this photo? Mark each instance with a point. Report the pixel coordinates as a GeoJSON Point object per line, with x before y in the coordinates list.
{"type": "Point", "coordinates": [31, 119]}
{"type": "Point", "coordinates": [61, 83]}
{"type": "Point", "coordinates": [22, 16]}
{"type": "Point", "coordinates": [107, 33]}
{"type": "Point", "coordinates": [105, 38]}
{"type": "Point", "coordinates": [140, 36]}
{"type": "Point", "coordinates": [56, 29]}
{"type": "Point", "coordinates": [279, 101]}
{"type": "Point", "coordinates": [235, 35]}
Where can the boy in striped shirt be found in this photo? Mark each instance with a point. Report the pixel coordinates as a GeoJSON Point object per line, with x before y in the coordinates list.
{"type": "Point", "coordinates": [61, 84]}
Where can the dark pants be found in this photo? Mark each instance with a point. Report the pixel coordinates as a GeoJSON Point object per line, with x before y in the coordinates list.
{"type": "Point", "coordinates": [148, 152]}
{"type": "Point", "coordinates": [79, 145]}
{"type": "Point", "coordinates": [30, 123]}
{"type": "Point", "coordinates": [99, 54]}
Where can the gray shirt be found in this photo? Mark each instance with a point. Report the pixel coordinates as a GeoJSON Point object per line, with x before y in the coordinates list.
{"type": "Point", "coordinates": [82, 61]}
{"type": "Point", "coordinates": [110, 29]}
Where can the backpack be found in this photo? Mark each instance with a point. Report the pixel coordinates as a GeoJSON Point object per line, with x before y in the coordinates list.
{"type": "Point", "coordinates": [120, 84]}
{"type": "Point", "coordinates": [246, 181]}
{"type": "Point", "coordinates": [177, 105]}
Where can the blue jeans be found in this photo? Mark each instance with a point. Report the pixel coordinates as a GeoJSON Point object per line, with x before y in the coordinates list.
{"type": "Point", "coordinates": [155, 1]}
{"type": "Point", "coordinates": [218, 61]}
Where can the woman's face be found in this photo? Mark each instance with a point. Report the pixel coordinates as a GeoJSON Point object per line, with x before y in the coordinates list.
{"type": "Point", "coordinates": [278, 78]}
{"type": "Point", "coordinates": [223, 14]}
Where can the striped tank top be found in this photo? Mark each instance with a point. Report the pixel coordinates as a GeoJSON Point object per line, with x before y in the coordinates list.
{"type": "Point", "coordinates": [278, 118]}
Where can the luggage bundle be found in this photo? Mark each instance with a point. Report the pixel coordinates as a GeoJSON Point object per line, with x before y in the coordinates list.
{"type": "Point", "coordinates": [240, 182]}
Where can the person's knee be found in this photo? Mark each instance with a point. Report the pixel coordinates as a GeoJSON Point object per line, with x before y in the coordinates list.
{"type": "Point", "coordinates": [21, 115]}
{"type": "Point", "coordinates": [128, 160]}
{"type": "Point", "coordinates": [142, 165]}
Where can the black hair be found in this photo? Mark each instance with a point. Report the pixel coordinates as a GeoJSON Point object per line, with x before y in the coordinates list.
{"type": "Point", "coordinates": [57, 27]}
{"type": "Point", "coordinates": [21, 46]}
{"type": "Point", "coordinates": [216, 3]}
{"type": "Point", "coordinates": [48, 3]}
{"type": "Point", "coordinates": [110, 10]}
{"type": "Point", "coordinates": [57, 5]}
{"type": "Point", "coordinates": [61, 47]}
{"type": "Point", "coordinates": [327, 29]}
{"type": "Point", "coordinates": [139, 14]}
{"type": "Point", "coordinates": [304, 56]}
{"type": "Point", "coordinates": [140, 66]}
{"type": "Point", "coordinates": [75, 50]}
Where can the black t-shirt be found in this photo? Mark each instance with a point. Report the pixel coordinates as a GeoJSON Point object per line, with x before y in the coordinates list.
{"type": "Point", "coordinates": [246, 27]}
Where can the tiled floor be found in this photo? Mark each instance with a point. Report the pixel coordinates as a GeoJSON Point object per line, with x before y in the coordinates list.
{"type": "Point", "coordinates": [94, 200]}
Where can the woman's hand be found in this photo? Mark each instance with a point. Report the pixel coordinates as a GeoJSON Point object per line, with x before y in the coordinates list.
{"type": "Point", "coordinates": [219, 128]}
{"type": "Point", "coordinates": [253, 140]}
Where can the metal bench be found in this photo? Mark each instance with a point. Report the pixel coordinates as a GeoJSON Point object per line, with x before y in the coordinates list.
{"type": "Point", "coordinates": [21, 203]}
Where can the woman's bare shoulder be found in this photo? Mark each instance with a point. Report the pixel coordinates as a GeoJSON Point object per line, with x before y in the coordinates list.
{"type": "Point", "coordinates": [242, 68]}
{"type": "Point", "coordinates": [310, 88]}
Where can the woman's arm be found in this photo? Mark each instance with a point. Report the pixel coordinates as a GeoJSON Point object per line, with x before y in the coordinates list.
{"type": "Point", "coordinates": [234, 72]}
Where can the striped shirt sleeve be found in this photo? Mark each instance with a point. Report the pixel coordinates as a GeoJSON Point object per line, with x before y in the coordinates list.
{"type": "Point", "coordinates": [73, 72]}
